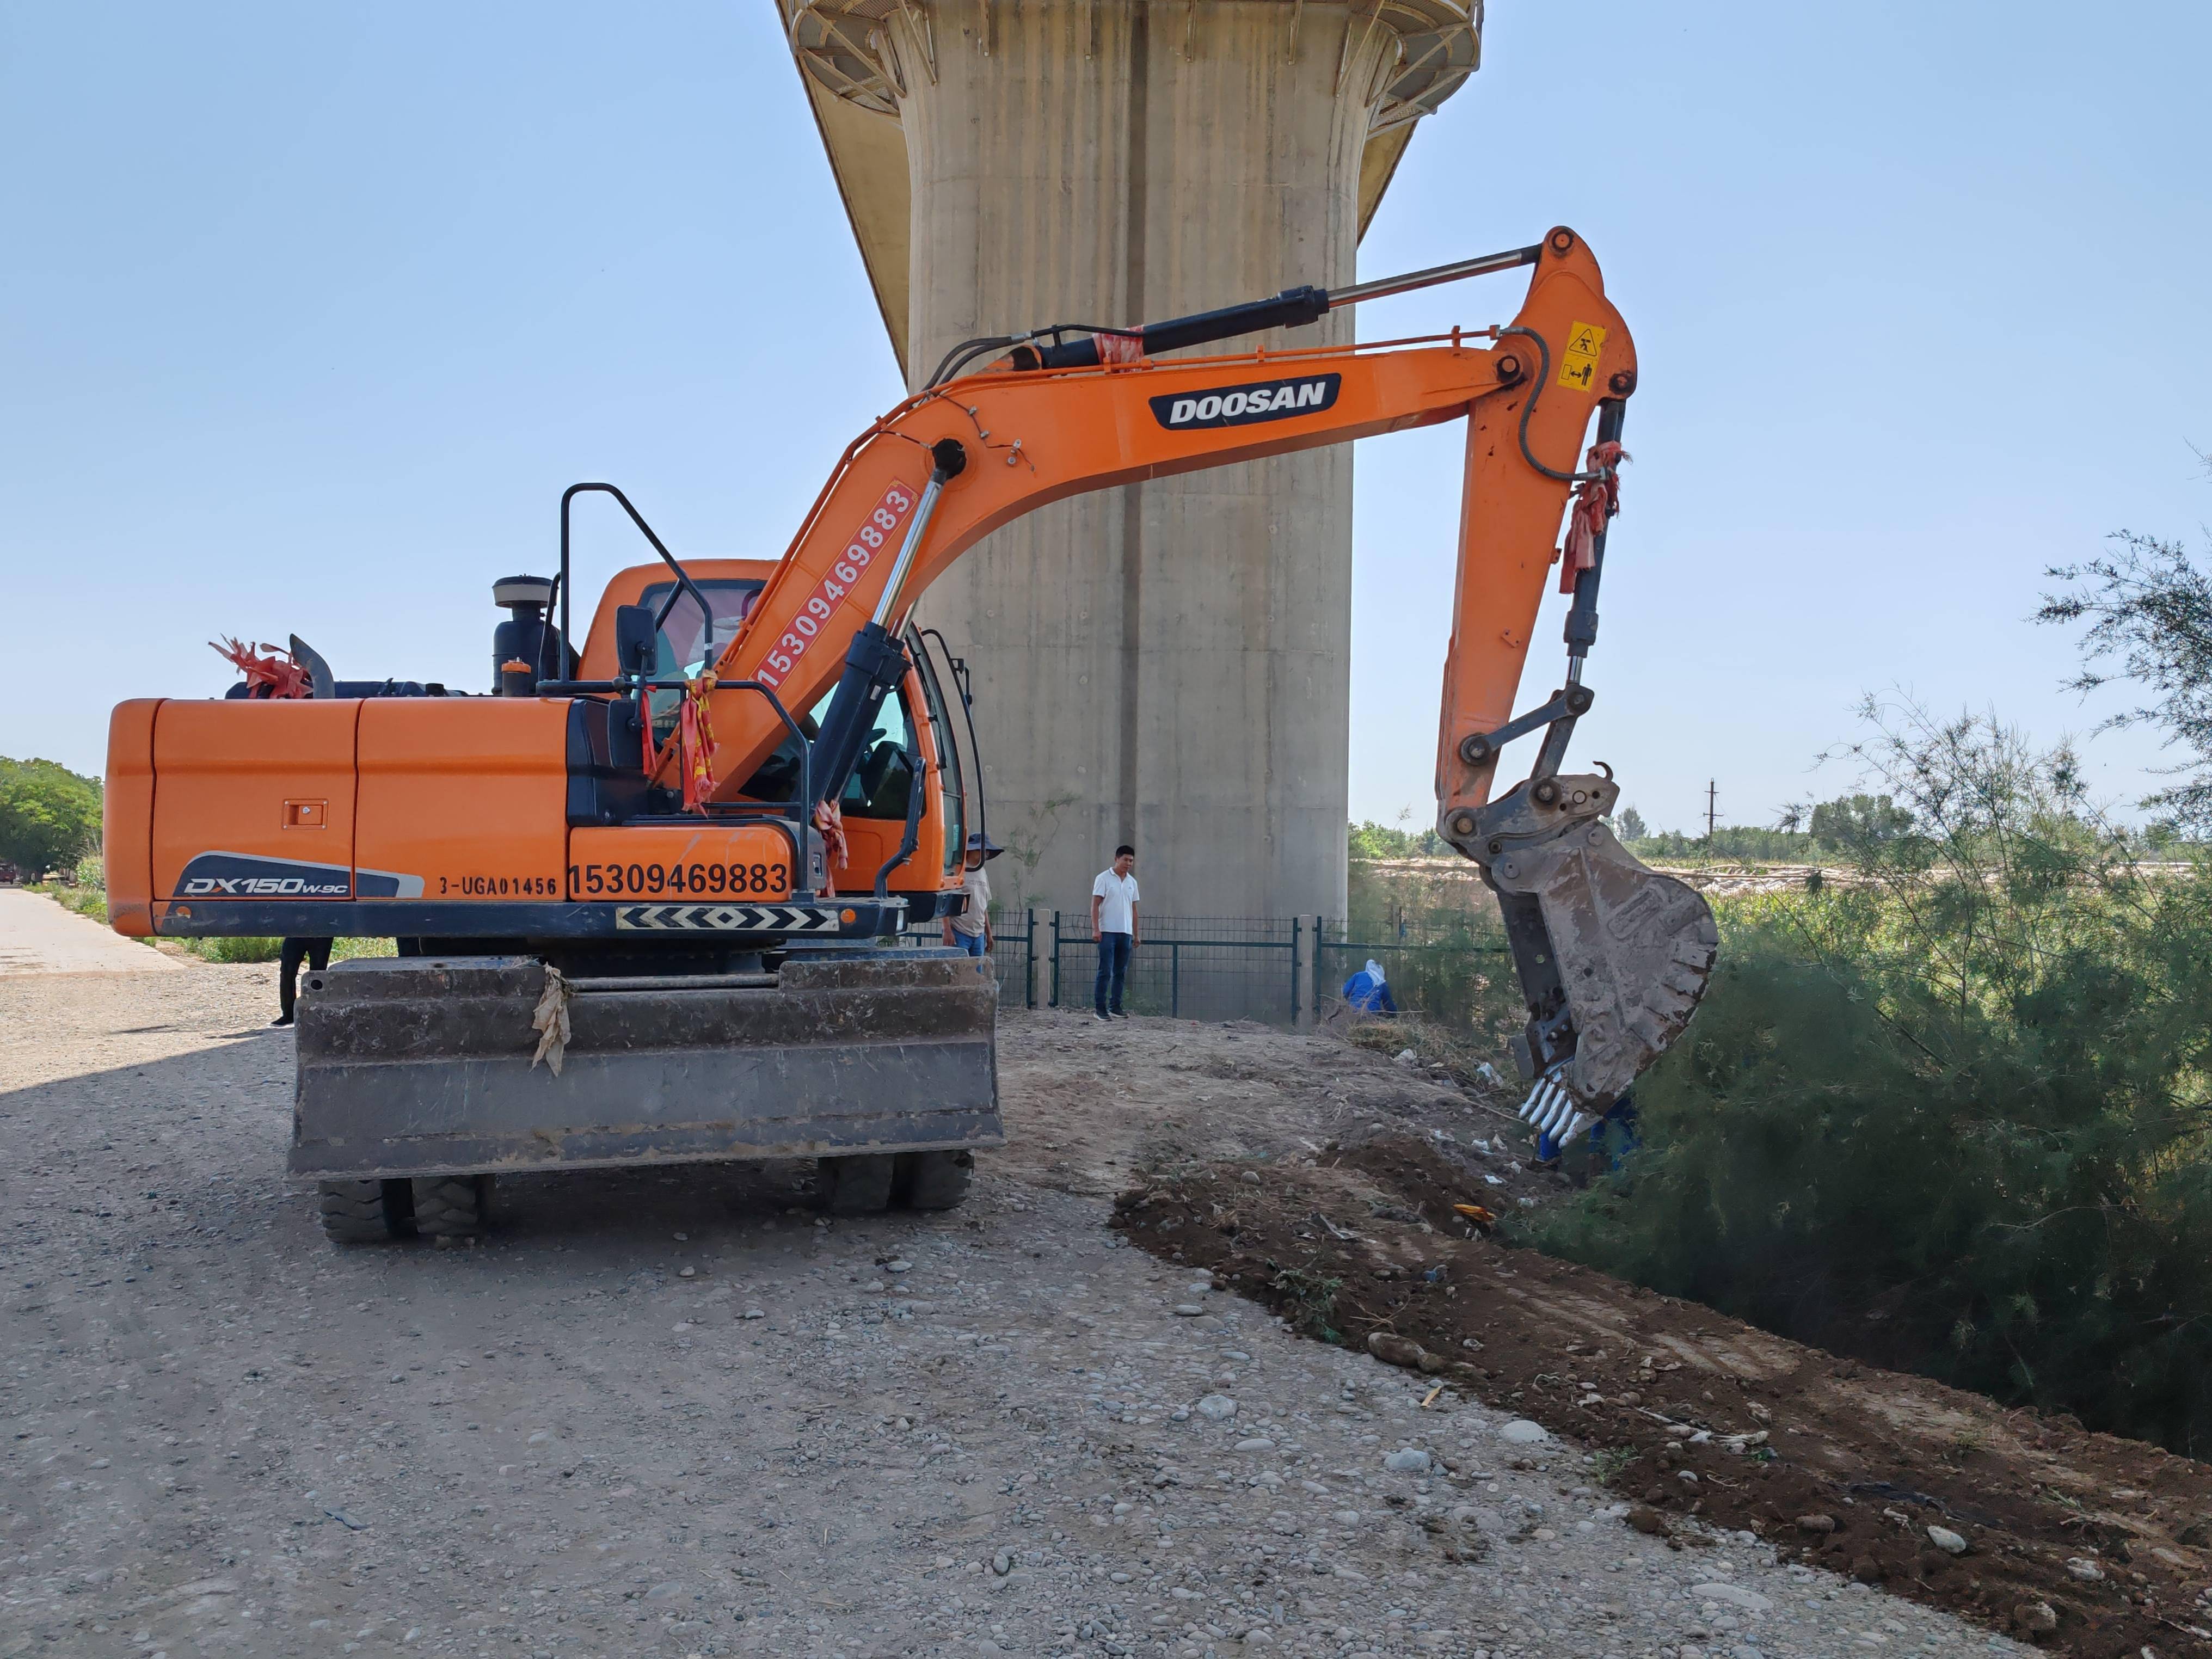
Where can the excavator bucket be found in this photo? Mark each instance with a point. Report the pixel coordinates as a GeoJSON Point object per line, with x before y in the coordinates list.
{"type": "Point", "coordinates": [1612, 956]}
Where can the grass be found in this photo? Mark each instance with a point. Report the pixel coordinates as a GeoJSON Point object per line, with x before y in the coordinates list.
{"type": "Point", "coordinates": [1313, 1301]}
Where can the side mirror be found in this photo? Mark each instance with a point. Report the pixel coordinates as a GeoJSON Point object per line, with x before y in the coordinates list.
{"type": "Point", "coordinates": [637, 641]}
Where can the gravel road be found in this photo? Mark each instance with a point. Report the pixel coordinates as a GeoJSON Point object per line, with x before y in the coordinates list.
{"type": "Point", "coordinates": [37, 936]}
{"type": "Point", "coordinates": [676, 1414]}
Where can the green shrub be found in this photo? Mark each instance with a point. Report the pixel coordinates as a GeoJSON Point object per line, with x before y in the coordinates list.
{"type": "Point", "coordinates": [1365, 842]}
{"type": "Point", "coordinates": [240, 949]}
{"type": "Point", "coordinates": [1951, 1118]}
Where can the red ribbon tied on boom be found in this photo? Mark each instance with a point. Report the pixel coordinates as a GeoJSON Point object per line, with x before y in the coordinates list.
{"type": "Point", "coordinates": [1597, 500]}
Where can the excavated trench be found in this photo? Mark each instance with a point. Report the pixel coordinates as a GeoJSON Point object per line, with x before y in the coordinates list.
{"type": "Point", "coordinates": [2079, 1542]}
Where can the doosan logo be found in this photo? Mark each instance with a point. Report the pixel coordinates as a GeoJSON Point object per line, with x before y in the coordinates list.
{"type": "Point", "coordinates": [1244, 405]}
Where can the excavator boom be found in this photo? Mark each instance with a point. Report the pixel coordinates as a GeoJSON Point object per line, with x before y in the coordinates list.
{"type": "Point", "coordinates": [1612, 957]}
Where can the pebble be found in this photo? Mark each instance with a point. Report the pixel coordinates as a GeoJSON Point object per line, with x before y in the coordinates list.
{"type": "Point", "coordinates": [898, 1265]}
{"type": "Point", "coordinates": [2035, 1617]}
{"type": "Point", "coordinates": [1255, 1445]}
{"type": "Point", "coordinates": [1520, 1431]}
{"type": "Point", "coordinates": [1218, 1406]}
{"type": "Point", "coordinates": [1002, 1563]}
{"type": "Point", "coordinates": [1187, 1310]}
{"type": "Point", "coordinates": [1947, 1541]}
{"type": "Point", "coordinates": [1816, 1523]}
{"type": "Point", "coordinates": [1407, 1460]}
{"type": "Point", "coordinates": [755, 1313]}
{"type": "Point", "coordinates": [687, 1272]}
{"type": "Point", "coordinates": [2085, 1570]}
{"type": "Point", "coordinates": [1251, 1178]}
{"type": "Point", "coordinates": [1734, 1595]}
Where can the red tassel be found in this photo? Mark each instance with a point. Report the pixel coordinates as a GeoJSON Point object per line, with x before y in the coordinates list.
{"type": "Point", "coordinates": [1597, 500]}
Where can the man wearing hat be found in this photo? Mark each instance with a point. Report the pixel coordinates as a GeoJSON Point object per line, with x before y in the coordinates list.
{"type": "Point", "coordinates": [971, 929]}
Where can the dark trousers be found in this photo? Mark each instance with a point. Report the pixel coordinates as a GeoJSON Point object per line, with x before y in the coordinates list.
{"type": "Point", "coordinates": [315, 952]}
{"type": "Point", "coordinates": [1112, 971]}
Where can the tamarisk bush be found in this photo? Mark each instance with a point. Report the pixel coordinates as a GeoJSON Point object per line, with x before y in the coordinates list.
{"type": "Point", "coordinates": [1951, 1115]}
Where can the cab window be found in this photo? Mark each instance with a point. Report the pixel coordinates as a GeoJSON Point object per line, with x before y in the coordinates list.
{"type": "Point", "coordinates": [679, 652]}
{"type": "Point", "coordinates": [883, 778]}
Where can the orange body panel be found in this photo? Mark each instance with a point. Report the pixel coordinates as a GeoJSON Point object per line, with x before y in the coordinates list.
{"type": "Point", "coordinates": [127, 817]}
{"type": "Point", "coordinates": [705, 864]}
{"type": "Point", "coordinates": [231, 777]}
{"type": "Point", "coordinates": [469, 796]}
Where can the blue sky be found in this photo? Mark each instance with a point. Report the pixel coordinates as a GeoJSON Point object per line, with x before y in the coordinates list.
{"type": "Point", "coordinates": [308, 314]}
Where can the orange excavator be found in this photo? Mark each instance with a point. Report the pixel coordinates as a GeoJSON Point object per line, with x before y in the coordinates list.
{"type": "Point", "coordinates": [651, 898]}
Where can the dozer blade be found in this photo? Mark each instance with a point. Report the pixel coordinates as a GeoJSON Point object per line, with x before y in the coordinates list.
{"type": "Point", "coordinates": [426, 1065]}
{"type": "Point", "coordinates": [1612, 956]}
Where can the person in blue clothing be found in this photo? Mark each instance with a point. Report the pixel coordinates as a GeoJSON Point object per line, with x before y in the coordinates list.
{"type": "Point", "coordinates": [1621, 1118]}
{"type": "Point", "coordinates": [1369, 992]}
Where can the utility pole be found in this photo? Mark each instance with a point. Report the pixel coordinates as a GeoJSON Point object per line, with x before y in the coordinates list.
{"type": "Point", "coordinates": [1712, 797]}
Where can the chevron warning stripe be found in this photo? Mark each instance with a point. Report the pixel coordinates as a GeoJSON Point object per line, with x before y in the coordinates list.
{"type": "Point", "coordinates": [726, 918]}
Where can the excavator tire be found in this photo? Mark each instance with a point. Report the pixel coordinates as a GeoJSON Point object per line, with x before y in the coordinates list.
{"type": "Point", "coordinates": [934, 1181]}
{"type": "Point", "coordinates": [859, 1185]}
{"type": "Point", "coordinates": [452, 1206]}
{"type": "Point", "coordinates": [353, 1211]}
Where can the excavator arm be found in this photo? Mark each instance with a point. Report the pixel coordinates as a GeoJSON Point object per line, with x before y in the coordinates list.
{"type": "Point", "coordinates": [1612, 957]}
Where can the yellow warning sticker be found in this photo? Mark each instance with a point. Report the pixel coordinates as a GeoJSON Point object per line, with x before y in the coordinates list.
{"type": "Point", "coordinates": [1578, 363]}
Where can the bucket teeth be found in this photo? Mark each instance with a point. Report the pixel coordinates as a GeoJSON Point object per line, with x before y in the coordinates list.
{"type": "Point", "coordinates": [1575, 1125]}
{"type": "Point", "coordinates": [1533, 1107]}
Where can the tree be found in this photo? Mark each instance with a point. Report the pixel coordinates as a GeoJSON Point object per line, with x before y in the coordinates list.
{"type": "Point", "coordinates": [1858, 823]}
{"type": "Point", "coordinates": [1630, 825]}
{"type": "Point", "coordinates": [49, 815]}
{"type": "Point", "coordinates": [2149, 610]}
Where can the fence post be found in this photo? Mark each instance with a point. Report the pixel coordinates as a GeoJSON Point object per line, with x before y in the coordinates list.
{"type": "Point", "coordinates": [1055, 960]}
{"type": "Point", "coordinates": [1302, 952]}
{"type": "Point", "coordinates": [1030, 968]}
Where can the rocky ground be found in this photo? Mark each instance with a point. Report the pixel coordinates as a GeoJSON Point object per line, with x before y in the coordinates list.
{"type": "Point", "coordinates": [684, 1414]}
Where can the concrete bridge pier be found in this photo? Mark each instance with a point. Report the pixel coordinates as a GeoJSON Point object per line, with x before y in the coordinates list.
{"type": "Point", "coordinates": [1165, 663]}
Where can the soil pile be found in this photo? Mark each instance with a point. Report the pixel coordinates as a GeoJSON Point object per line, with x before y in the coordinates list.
{"type": "Point", "coordinates": [2080, 1543]}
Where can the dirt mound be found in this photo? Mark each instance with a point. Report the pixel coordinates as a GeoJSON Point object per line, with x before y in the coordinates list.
{"type": "Point", "coordinates": [2083, 1543]}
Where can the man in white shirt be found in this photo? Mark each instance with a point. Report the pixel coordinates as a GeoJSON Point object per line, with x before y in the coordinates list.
{"type": "Point", "coordinates": [1114, 925]}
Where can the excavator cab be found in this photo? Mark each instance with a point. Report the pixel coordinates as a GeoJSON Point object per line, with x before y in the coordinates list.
{"type": "Point", "coordinates": [909, 837]}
